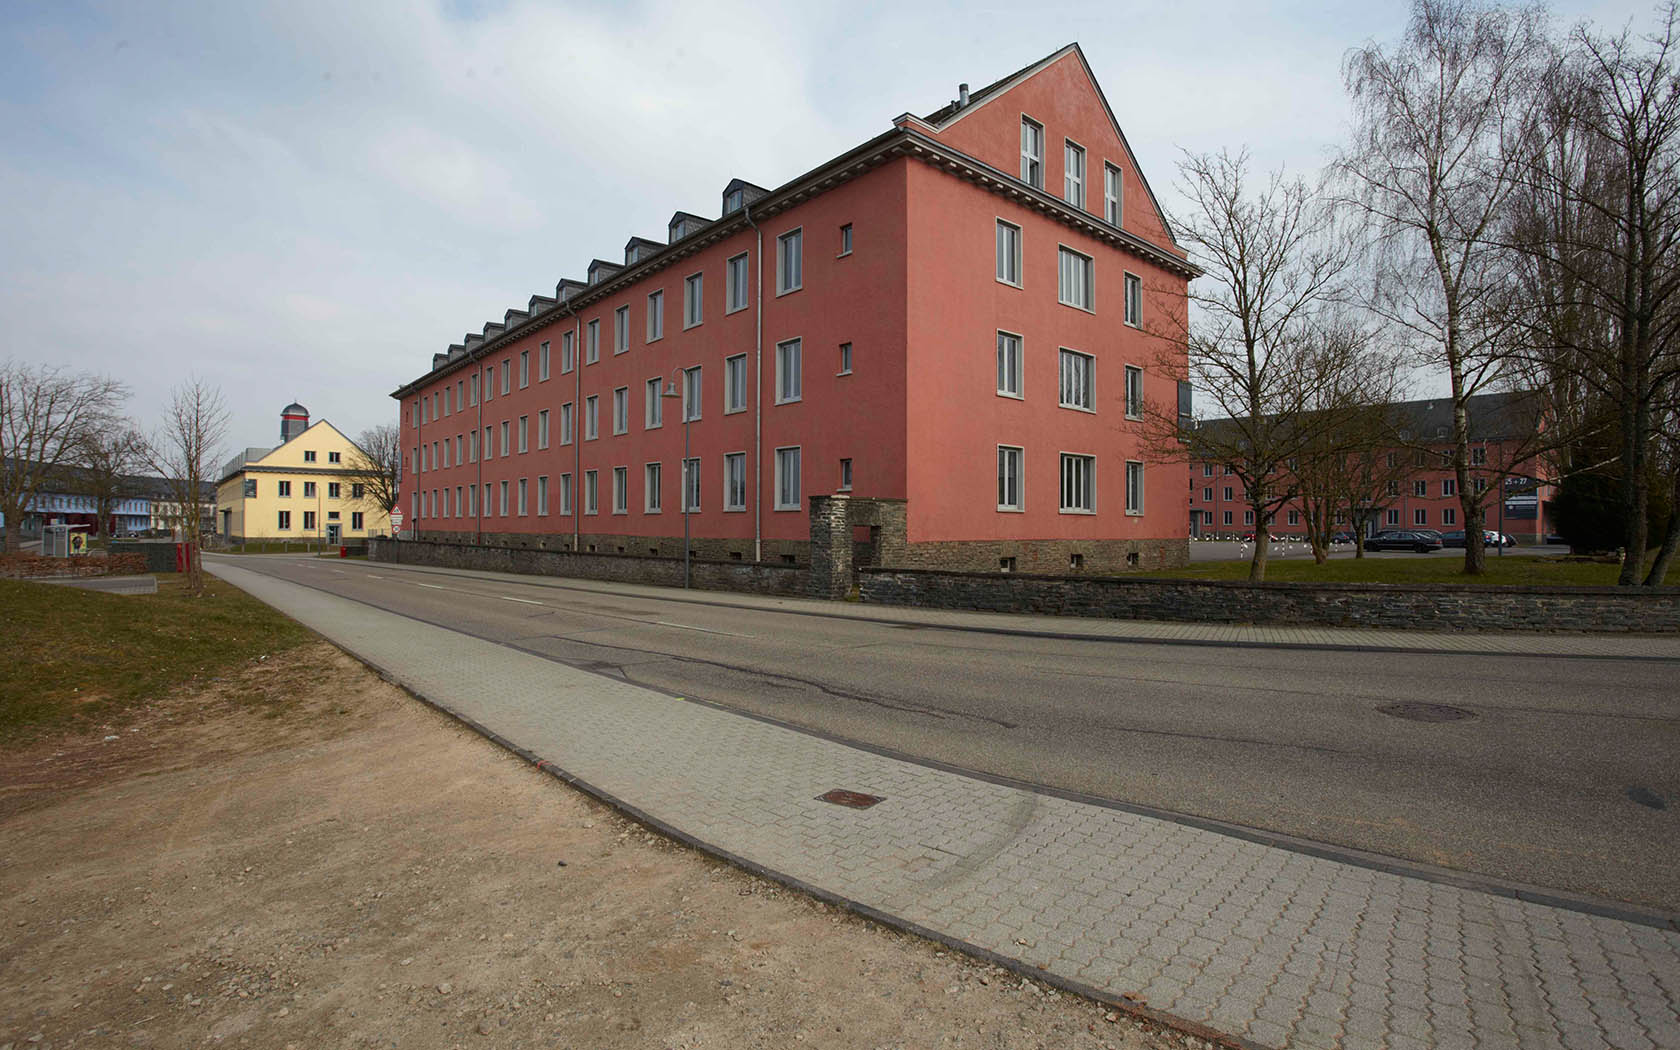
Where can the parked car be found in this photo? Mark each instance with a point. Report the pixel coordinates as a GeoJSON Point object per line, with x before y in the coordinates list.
{"type": "Point", "coordinates": [1422, 541]}
{"type": "Point", "coordinates": [1490, 538]}
{"type": "Point", "coordinates": [1343, 537]}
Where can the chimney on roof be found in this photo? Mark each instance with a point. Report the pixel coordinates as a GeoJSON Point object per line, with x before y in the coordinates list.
{"type": "Point", "coordinates": [962, 95]}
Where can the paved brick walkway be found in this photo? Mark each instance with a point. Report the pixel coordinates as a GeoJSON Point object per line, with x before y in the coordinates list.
{"type": "Point", "coordinates": [1283, 949]}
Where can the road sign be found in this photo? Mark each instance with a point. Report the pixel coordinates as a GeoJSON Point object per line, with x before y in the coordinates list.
{"type": "Point", "coordinates": [396, 519]}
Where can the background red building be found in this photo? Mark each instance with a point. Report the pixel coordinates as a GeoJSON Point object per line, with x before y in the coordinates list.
{"type": "Point", "coordinates": [950, 318]}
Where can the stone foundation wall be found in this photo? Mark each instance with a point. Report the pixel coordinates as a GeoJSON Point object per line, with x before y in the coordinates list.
{"type": "Point", "coordinates": [1440, 608]}
{"type": "Point", "coordinates": [1047, 557]}
{"type": "Point", "coordinates": [715, 575]}
{"type": "Point", "coordinates": [780, 552]}
{"type": "Point", "coordinates": [32, 566]}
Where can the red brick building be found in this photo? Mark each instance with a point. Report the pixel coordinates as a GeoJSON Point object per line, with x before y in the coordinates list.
{"type": "Point", "coordinates": [948, 319]}
{"type": "Point", "coordinates": [1423, 493]}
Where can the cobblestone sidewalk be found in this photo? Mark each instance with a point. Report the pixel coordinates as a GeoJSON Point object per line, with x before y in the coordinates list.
{"type": "Point", "coordinates": [1282, 949]}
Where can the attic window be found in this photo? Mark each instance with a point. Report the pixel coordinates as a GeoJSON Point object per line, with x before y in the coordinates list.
{"type": "Point", "coordinates": [733, 200]}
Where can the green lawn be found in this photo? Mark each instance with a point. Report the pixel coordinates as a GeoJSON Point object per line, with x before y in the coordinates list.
{"type": "Point", "coordinates": [70, 658]}
{"type": "Point", "coordinates": [1524, 569]}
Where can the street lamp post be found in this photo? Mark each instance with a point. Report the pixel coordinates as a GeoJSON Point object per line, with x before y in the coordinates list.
{"type": "Point", "coordinates": [673, 390]}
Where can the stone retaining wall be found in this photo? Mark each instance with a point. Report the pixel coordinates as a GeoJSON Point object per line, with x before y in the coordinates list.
{"type": "Point", "coordinates": [752, 577]}
{"type": "Point", "coordinates": [33, 566]}
{"type": "Point", "coordinates": [1435, 608]}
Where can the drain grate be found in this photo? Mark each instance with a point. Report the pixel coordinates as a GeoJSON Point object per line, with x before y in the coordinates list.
{"type": "Point", "coordinates": [852, 799]}
{"type": "Point", "coordinates": [1421, 712]}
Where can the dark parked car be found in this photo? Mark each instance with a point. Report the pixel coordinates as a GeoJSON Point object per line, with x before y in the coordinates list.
{"type": "Point", "coordinates": [1342, 537]}
{"type": "Point", "coordinates": [1405, 540]}
{"type": "Point", "coordinates": [1490, 538]}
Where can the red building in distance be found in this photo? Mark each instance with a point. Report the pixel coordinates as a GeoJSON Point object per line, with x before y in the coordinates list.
{"type": "Point", "coordinates": [950, 317]}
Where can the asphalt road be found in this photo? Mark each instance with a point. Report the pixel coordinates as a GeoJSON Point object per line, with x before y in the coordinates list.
{"type": "Point", "coordinates": [1567, 776]}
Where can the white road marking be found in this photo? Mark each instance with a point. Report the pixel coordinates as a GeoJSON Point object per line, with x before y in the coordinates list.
{"type": "Point", "coordinates": [707, 630]}
{"type": "Point", "coordinates": [522, 601]}
{"type": "Point", "coordinates": [374, 576]}
{"type": "Point", "coordinates": [433, 586]}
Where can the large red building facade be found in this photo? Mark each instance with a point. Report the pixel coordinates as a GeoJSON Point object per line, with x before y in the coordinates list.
{"type": "Point", "coordinates": [952, 317]}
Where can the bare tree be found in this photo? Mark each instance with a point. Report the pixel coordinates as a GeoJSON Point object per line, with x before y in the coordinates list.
{"type": "Point", "coordinates": [105, 461]}
{"type": "Point", "coordinates": [1267, 343]}
{"type": "Point", "coordinates": [185, 452]}
{"type": "Point", "coordinates": [376, 464]}
{"type": "Point", "coordinates": [1350, 471]}
{"type": "Point", "coordinates": [1432, 166]}
{"type": "Point", "coordinates": [46, 415]}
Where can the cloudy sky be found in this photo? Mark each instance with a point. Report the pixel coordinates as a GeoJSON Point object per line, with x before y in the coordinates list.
{"type": "Point", "coordinates": [302, 200]}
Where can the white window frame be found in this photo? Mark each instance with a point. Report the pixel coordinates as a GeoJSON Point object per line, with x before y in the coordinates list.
{"type": "Point", "coordinates": [1032, 152]}
{"type": "Point", "coordinates": [845, 240]}
{"type": "Point", "coordinates": [1011, 456]}
{"type": "Point", "coordinates": [656, 316]}
{"type": "Point", "coordinates": [524, 434]}
{"type": "Point", "coordinates": [845, 360]}
{"type": "Point", "coordinates": [789, 372]}
{"type": "Point", "coordinates": [592, 492]}
{"type": "Point", "coordinates": [566, 494]}
{"type": "Point", "coordinates": [566, 423]}
{"type": "Point", "coordinates": [735, 284]}
{"type": "Point", "coordinates": [734, 461]}
{"type": "Point", "coordinates": [694, 300]}
{"type": "Point", "coordinates": [505, 445]}
{"type": "Point", "coordinates": [1114, 193]}
{"type": "Point", "coordinates": [503, 500]}
{"type": "Point", "coordinates": [1084, 380]}
{"type": "Point", "coordinates": [621, 329]}
{"type": "Point", "coordinates": [592, 417]}
{"type": "Point", "coordinates": [1011, 368]}
{"type": "Point", "coordinates": [524, 497]}
{"type": "Point", "coordinates": [790, 261]}
{"type": "Point", "coordinates": [692, 394]}
{"type": "Point", "coordinates": [1134, 300]}
{"type": "Point", "coordinates": [568, 353]}
{"type": "Point", "coordinates": [691, 491]}
{"type": "Point", "coordinates": [1088, 483]}
{"type": "Point", "coordinates": [1134, 487]}
{"type": "Point", "coordinates": [1134, 392]}
{"type": "Point", "coordinates": [524, 369]}
{"type": "Point", "coordinates": [507, 375]}
{"type": "Point", "coordinates": [1420, 517]}
{"type": "Point", "coordinates": [542, 429]}
{"type": "Point", "coordinates": [783, 460]}
{"type": "Point", "coordinates": [1008, 252]}
{"type": "Point", "coordinates": [621, 490]}
{"type": "Point", "coordinates": [1073, 173]}
{"type": "Point", "coordinates": [845, 474]}
{"type": "Point", "coordinates": [542, 362]}
{"type": "Point", "coordinates": [652, 480]}
{"type": "Point", "coordinates": [621, 410]}
{"type": "Point", "coordinates": [734, 383]}
{"type": "Point", "coordinates": [542, 495]}
{"type": "Point", "coordinates": [653, 417]}
{"type": "Point", "coordinates": [1067, 270]}
{"type": "Point", "coordinates": [592, 341]}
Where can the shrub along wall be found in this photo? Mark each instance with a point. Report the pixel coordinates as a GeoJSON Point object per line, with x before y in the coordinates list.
{"type": "Point", "coordinates": [1439, 608]}
{"type": "Point", "coordinates": [753, 577]}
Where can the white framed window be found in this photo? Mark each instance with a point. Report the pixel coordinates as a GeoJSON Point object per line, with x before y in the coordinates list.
{"type": "Point", "coordinates": [1078, 377]}
{"type": "Point", "coordinates": [524, 369]}
{"type": "Point", "coordinates": [735, 276]}
{"type": "Point", "coordinates": [846, 474]}
{"type": "Point", "coordinates": [1113, 190]}
{"type": "Point", "coordinates": [1008, 364]}
{"type": "Point", "coordinates": [655, 417]}
{"type": "Point", "coordinates": [507, 375]}
{"type": "Point", "coordinates": [591, 492]}
{"type": "Point", "coordinates": [1079, 484]}
{"type": "Point", "coordinates": [1478, 457]}
{"type": "Point", "coordinates": [735, 383]}
{"type": "Point", "coordinates": [1294, 517]}
{"type": "Point", "coordinates": [787, 479]}
{"type": "Point", "coordinates": [489, 382]}
{"type": "Point", "coordinates": [1075, 282]}
{"type": "Point", "coordinates": [591, 417]}
{"type": "Point", "coordinates": [1393, 516]}
{"type": "Point", "coordinates": [788, 385]}
{"type": "Point", "coordinates": [846, 239]}
{"type": "Point", "coordinates": [1420, 516]}
{"type": "Point", "coordinates": [733, 200]}
{"type": "Point", "coordinates": [694, 291]}
{"type": "Point", "coordinates": [524, 497]}
{"type": "Point", "coordinates": [542, 495]}
{"type": "Point", "coordinates": [472, 389]}
{"type": "Point", "coordinates": [790, 265]}
{"type": "Point", "coordinates": [568, 353]}
{"type": "Point", "coordinates": [542, 362]}
{"type": "Point", "coordinates": [542, 429]}
{"type": "Point", "coordinates": [1073, 173]}
{"type": "Point", "coordinates": [1134, 488]}
{"type": "Point", "coordinates": [735, 481]}
{"type": "Point", "coordinates": [621, 410]}
{"type": "Point", "coordinates": [566, 423]}
{"type": "Point", "coordinates": [1134, 392]}
{"type": "Point", "coordinates": [592, 342]}
{"type": "Point", "coordinates": [1032, 152]}
{"type": "Point", "coordinates": [1134, 300]}
{"type": "Point", "coordinates": [1449, 516]}
{"type": "Point", "coordinates": [1420, 488]}
{"type": "Point", "coordinates": [621, 490]}
{"type": "Point", "coordinates": [845, 360]}
{"type": "Point", "coordinates": [1207, 494]}
{"type": "Point", "coordinates": [655, 316]}
{"type": "Point", "coordinates": [566, 494]}
{"type": "Point", "coordinates": [1009, 492]}
{"type": "Point", "coordinates": [651, 498]}
{"type": "Point", "coordinates": [1449, 486]}
{"type": "Point", "coordinates": [1008, 253]}
{"type": "Point", "coordinates": [691, 484]}
{"type": "Point", "coordinates": [1248, 517]}
{"type": "Point", "coordinates": [621, 330]}
{"type": "Point", "coordinates": [505, 446]}
{"type": "Point", "coordinates": [524, 434]}
{"type": "Point", "coordinates": [489, 502]}
{"type": "Point", "coordinates": [691, 394]}
{"type": "Point", "coordinates": [503, 504]}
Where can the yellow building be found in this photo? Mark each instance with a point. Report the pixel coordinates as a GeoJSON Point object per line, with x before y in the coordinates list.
{"type": "Point", "coordinates": [304, 489]}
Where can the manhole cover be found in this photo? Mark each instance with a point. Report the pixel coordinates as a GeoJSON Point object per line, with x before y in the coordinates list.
{"type": "Point", "coordinates": [854, 799]}
{"type": "Point", "coordinates": [1419, 712]}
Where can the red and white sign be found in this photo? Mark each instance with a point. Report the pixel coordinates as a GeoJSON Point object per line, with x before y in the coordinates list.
{"type": "Point", "coordinates": [396, 519]}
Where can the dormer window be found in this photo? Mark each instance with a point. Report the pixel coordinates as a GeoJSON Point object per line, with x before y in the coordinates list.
{"type": "Point", "coordinates": [733, 200]}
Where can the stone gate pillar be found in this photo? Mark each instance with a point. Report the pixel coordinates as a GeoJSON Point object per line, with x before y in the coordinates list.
{"type": "Point", "coordinates": [831, 546]}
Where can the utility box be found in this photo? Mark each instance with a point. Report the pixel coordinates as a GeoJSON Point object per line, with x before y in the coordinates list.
{"type": "Point", "coordinates": [55, 541]}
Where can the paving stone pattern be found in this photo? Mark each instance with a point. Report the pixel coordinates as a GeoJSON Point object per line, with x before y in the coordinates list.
{"type": "Point", "coordinates": [1283, 949]}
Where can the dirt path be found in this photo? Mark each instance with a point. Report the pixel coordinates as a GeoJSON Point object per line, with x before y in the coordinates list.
{"type": "Point", "coordinates": [305, 857]}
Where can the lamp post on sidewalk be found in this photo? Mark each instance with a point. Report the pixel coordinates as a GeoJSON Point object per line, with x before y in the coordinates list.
{"type": "Point", "coordinates": [673, 390]}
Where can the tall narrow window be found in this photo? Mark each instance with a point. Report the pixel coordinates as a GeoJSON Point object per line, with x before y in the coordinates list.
{"type": "Point", "coordinates": [591, 492]}
{"type": "Point", "coordinates": [650, 488]}
{"type": "Point", "coordinates": [566, 423]}
{"type": "Point", "coordinates": [502, 504]}
{"type": "Point", "coordinates": [787, 479]}
{"type": "Point", "coordinates": [846, 474]}
{"type": "Point", "coordinates": [845, 359]}
{"type": "Point", "coordinates": [621, 490]}
{"type": "Point", "coordinates": [591, 417]}
{"type": "Point", "coordinates": [1074, 281]}
{"type": "Point", "coordinates": [735, 283]}
{"type": "Point", "coordinates": [1134, 392]}
{"type": "Point", "coordinates": [1032, 152]}
{"type": "Point", "coordinates": [1009, 477]}
{"type": "Point", "coordinates": [507, 375]}
{"type": "Point", "coordinates": [735, 383]}
{"type": "Point", "coordinates": [1073, 174]}
{"type": "Point", "coordinates": [566, 494]}
{"type": "Point", "coordinates": [1078, 372]}
{"type": "Point", "coordinates": [542, 495]}
{"type": "Point", "coordinates": [790, 271]}
{"type": "Point", "coordinates": [542, 429]}
{"type": "Point", "coordinates": [1009, 364]}
{"type": "Point", "coordinates": [691, 484]}
{"type": "Point", "coordinates": [621, 410]}
{"type": "Point", "coordinates": [524, 369]}
{"type": "Point", "coordinates": [691, 393]}
{"type": "Point", "coordinates": [1134, 300]}
{"type": "Point", "coordinates": [1009, 253]}
{"type": "Point", "coordinates": [524, 500]}
{"type": "Point", "coordinates": [489, 382]}
{"type": "Point", "coordinates": [592, 342]}
{"type": "Point", "coordinates": [735, 481]}
{"type": "Point", "coordinates": [788, 384]}
{"type": "Point", "coordinates": [694, 287]}
{"type": "Point", "coordinates": [1079, 474]}
{"type": "Point", "coordinates": [1112, 190]}
{"type": "Point", "coordinates": [655, 417]}
{"type": "Point", "coordinates": [1134, 487]}
{"type": "Point", "coordinates": [846, 239]}
{"type": "Point", "coordinates": [655, 316]}
{"type": "Point", "coordinates": [524, 434]}
{"type": "Point", "coordinates": [621, 329]}
{"type": "Point", "coordinates": [568, 353]}
{"type": "Point", "coordinates": [542, 363]}
{"type": "Point", "coordinates": [506, 446]}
